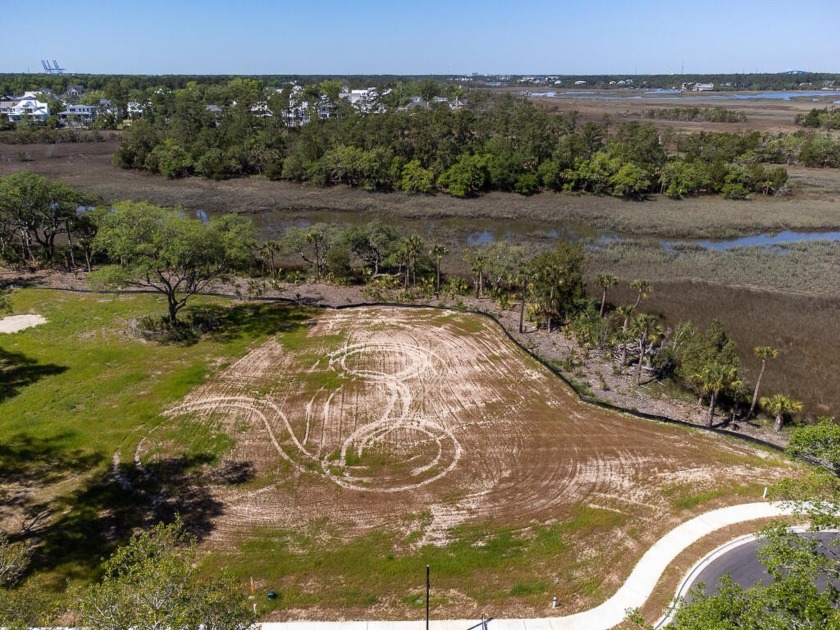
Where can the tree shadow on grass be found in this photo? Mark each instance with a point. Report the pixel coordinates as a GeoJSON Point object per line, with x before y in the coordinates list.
{"type": "Point", "coordinates": [229, 323]}
{"type": "Point", "coordinates": [29, 464]}
{"type": "Point", "coordinates": [254, 320]}
{"type": "Point", "coordinates": [222, 323]}
{"type": "Point", "coordinates": [104, 513]}
{"type": "Point", "coordinates": [18, 371]}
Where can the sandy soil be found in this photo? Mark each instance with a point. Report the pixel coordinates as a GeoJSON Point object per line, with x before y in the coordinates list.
{"type": "Point", "coordinates": [14, 323]}
{"type": "Point", "coordinates": [385, 412]}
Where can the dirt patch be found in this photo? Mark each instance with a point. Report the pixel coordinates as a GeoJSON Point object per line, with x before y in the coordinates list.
{"type": "Point", "coordinates": [15, 323]}
{"type": "Point", "coordinates": [376, 414]}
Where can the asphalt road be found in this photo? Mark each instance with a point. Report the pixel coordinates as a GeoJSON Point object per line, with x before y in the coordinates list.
{"type": "Point", "coordinates": [743, 565]}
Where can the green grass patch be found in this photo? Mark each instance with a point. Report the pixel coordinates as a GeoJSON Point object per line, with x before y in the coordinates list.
{"type": "Point", "coordinates": [468, 324]}
{"type": "Point", "coordinates": [299, 339]}
{"type": "Point", "coordinates": [192, 438]}
{"type": "Point", "coordinates": [527, 588]}
{"type": "Point", "coordinates": [486, 563]}
{"type": "Point", "coordinates": [81, 387]}
{"type": "Point", "coordinates": [588, 520]}
{"type": "Point", "coordinates": [684, 496]}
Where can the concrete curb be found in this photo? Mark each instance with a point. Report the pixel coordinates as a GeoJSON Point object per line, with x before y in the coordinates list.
{"type": "Point", "coordinates": [691, 577]}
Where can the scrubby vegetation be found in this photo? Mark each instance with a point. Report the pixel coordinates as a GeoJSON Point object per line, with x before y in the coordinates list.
{"type": "Point", "coordinates": [696, 114]}
{"type": "Point", "coordinates": [825, 118]}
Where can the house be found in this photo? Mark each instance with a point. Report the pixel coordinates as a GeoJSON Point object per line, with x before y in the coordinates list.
{"type": "Point", "coordinates": [74, 91]}
{"type": "Point", "coordinates": [78, 114]}
{"type": "Point", "coordinates": [704, 87]}
{"type": "Point", "coordinates": [416, 102]}
{"type": "Point", "coordinates": [28, 106]}
{"type": "Point", "coordinates": [137, 109]}
{"type": "Point", "coordinates": [6, 105]}
{"type": "Point", "coordinates": [365, 101]}
{"type": "Point", "coordinates": [47, 93]}
{"type": "Point", "coordinates": [326, 108]}
{"type": "Point", "coordinates": [297, 114]}
{"type": "Point", "coordinates": [457, 104]}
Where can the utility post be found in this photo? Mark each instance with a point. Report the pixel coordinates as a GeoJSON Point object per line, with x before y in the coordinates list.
{"type": "Point", "coordinates": [428, 589]}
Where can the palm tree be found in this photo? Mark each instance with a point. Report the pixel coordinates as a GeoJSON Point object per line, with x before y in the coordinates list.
{"type": "Point", "coordinates": [763, 353]}
{"type": "Point", "coordinates": [268, 250]}
{"type": "Point", "coordinates": [478, 260]}
{"type": "Point", "coordinates": [624, 312]}
{"type": "Point", "coordinates": [413, 246]}
{"type": "Point", "coordinates": [715, 378]}
{"type": "Point", "coordinates": [780, 406]}
{"type": "Point", "coordinates": [605, 281]}
{"type": "Point", "coordinates": [523, 273]}
{"type": "Point", "coordinates": [643, 287]}
{"type": "Point", "coordinates": [438, 251]}
{"type": "Point", "coordinates": [402, 255]}
{"type": "Point", "coordinates": [648, 329]}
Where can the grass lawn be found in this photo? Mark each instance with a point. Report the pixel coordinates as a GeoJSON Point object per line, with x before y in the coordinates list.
{"type": "Point", "coordinates": [76, 390]}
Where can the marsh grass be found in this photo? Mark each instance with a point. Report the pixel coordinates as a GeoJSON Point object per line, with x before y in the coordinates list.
{"type": "Point", "coordinates": [802, 268]}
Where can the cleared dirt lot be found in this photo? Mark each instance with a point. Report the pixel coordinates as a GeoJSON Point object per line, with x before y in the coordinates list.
{"type": "Point", "coordinates": [419, 422]}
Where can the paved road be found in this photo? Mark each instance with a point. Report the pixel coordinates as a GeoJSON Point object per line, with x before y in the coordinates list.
{"type": "Point", "coordinates": [743, 565]}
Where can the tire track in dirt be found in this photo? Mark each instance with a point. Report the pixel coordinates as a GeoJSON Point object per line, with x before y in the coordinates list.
{"type": "Point", "coordinates": [414, 412]}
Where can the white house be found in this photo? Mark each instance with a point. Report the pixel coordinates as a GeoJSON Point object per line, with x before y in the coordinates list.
{"type": "Point", "coordinates": [6, 106]}
{"type": "Point", "coordinates": [136, 109]}
{"type": "Point", "coordinates": [28, 106]}
{"type": "Point", "coordinates": [78, 113]}
{"type": "Point", "coordinates": [365, 101]}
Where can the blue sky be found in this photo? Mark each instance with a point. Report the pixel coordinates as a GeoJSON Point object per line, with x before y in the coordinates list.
{"type": "Point", "coordinates": [421, 36]}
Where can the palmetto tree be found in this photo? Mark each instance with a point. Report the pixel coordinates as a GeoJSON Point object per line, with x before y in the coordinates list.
{"type": "Point", "coordinates": [268, 250]}
{"type": "Point", "coordinates": [605, 281]}
{"type": "Point", "coordinates": [644, 289]}
{"type": "Point", "coordinates": [715, 378]}
{"type": "Point", "coordinates": [622, 336]}
{"type": "Point", "coordinates": [523, 275]}
{"type": "Point", "coordinates": [438, 251]}
{"type": "Point", "coordinates": [648, 330]}
{"type": "Point", "coordinates": [763, 353]}
{"type": "Point", "coordinates": [625, 313]}
{"type": "Point", "coordinates": [413, 247]}
{"type": "Point", "coordinates": [780, 406]}
{"type": "Point", "coordinates": [478, 260]}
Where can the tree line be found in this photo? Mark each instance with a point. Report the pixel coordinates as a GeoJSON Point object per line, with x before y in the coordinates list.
{"type": "Point", "coordinates": [114, 85]}
{"type": "Point", "coordinates": [495, 143]}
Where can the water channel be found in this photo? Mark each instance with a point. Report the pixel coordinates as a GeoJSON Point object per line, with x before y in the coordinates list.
{"type": "Point", "coordinates": [472, 232]}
